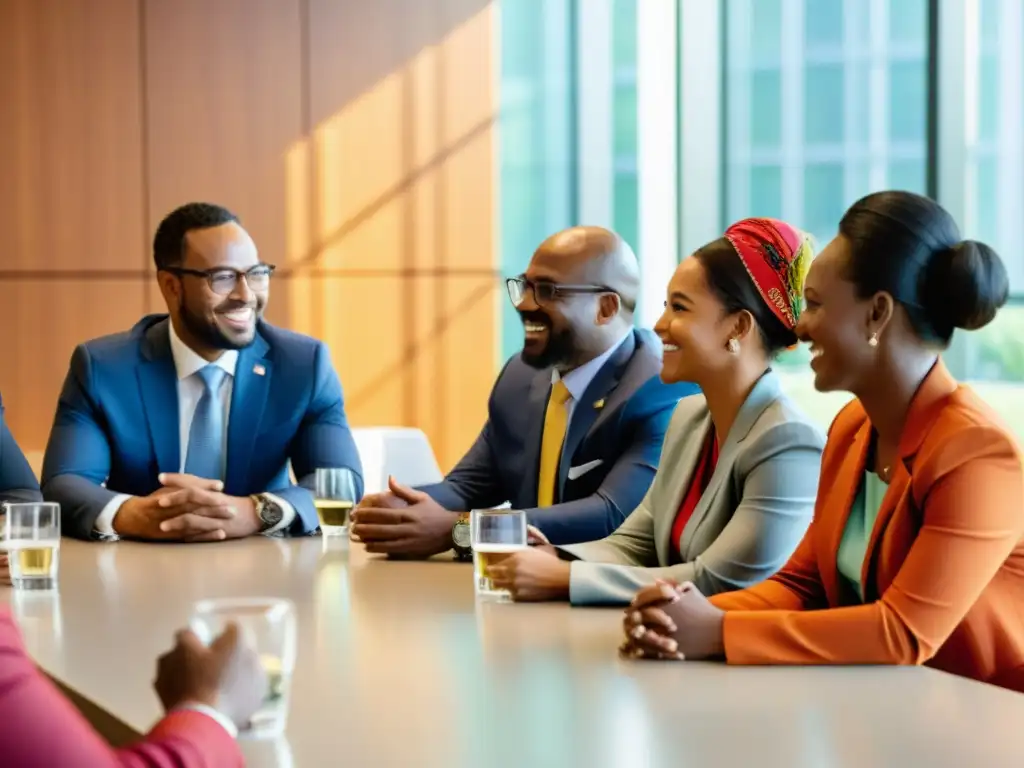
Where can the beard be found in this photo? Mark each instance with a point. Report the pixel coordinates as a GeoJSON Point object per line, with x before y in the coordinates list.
{"type": "Point", "coordinates": [209, 333]}
{"type": "Point", "coordinates": [559, 349]}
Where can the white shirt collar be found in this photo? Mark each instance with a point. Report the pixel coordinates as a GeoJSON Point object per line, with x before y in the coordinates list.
{"type": "Point", "coordinates": [187, 362]}
{"type": "Point", "coordinates": [578, 379]}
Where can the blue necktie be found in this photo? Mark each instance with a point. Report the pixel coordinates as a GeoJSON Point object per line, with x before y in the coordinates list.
{"type": "Point", "coordinates": [206, 435]}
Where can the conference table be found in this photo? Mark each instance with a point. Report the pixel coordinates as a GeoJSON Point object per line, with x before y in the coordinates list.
{"type": "Point", "coordinates": [399, 665]}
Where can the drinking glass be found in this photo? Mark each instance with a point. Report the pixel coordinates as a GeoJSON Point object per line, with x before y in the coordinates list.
{"type": "Point", "coordinates": [334, 498]}
{"type": "Point", "coordinates": [269, 626]}
{"type": "Point", "coordinates": [494, 535]}
{"type": "Point", "coordinates": [32, 541]}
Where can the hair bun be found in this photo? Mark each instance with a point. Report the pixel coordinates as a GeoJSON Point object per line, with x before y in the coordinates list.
{"type": "Point", "coordinates": [964, 286]}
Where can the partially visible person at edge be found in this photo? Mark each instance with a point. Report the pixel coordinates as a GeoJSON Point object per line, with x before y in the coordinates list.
{"type": "Point", "coordinates": [208, 693]}
{"type": "Point", "coordinates": [575, 422]}
{"type": "Point", "coordinates": [17, 481]}
{"type": "Point", "coordinates": [183, 428]}
{"type": "Point", "coordinates": [735, 486]}
{"type": "Point", "coordinates": [915, 554]}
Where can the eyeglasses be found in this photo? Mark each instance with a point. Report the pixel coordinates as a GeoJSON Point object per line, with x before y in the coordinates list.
{"type": "Point", "coordinates": [223, 280]}
{"type": "Point", "coordinates": [544, 291]}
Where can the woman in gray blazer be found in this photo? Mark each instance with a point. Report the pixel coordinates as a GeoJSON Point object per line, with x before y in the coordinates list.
{"type": "Point", "coordinates": [738, 475]}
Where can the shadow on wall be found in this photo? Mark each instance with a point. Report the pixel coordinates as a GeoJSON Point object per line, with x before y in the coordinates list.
{"type": "Point", "coordinates": [389, 206]}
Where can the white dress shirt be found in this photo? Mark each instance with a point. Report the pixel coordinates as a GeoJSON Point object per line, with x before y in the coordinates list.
{"type": "Point", "coordinates": [190, 389]}
{"type": "Point", "coordinates": [578, 379]}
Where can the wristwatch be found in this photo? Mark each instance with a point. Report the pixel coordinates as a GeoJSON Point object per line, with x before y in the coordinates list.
{"type": "Point", "coordinates": [268, 510]}
{"type": "Point", "coordinates": [460, 538]}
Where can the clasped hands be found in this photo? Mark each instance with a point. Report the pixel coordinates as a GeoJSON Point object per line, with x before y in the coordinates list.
{"type": "Point", "coordinates": [187, 508]}
{"type": "Point", "coordinates": [672, 621]}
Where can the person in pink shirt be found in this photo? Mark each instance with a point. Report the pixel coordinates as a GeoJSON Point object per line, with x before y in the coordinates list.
{"type": "Point", "coordinates": [207, 693]}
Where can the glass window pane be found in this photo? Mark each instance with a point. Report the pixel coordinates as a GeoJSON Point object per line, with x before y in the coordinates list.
{"type": "Point", "coordinates": [907, 174]}
{"type": "Point", "coordinates": [624, 210]}
{"type": "Point", "coordinates": [908, 21]}
{"type": "Point", "coordinates": [765, 116]}
{"type": "Point", "coordinates": [625, 200]}
{"type": "Point", "coordinates": [766, 191]}
{"type": "Point", "coordinates": [823, 22]}
{"type": "Point", "coordinates": [823, 200]}
{"type": "Point", "coordinates": [767, 20]}
{"type": "Point", "coordinates": [624, 117]}
{"type": "Point", "coordinates": [823, 97]}
{"type": "Point", "coordinates": [908, 101]}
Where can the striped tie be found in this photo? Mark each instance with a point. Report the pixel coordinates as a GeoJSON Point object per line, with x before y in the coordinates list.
{"type": "Point", "coordinates": [206, 435]}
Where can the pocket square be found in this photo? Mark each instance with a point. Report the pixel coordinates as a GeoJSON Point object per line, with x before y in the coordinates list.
{"type": "Point", "coordinates": [582, 469]}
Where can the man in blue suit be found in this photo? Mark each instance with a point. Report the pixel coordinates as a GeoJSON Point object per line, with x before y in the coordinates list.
{"type": "Point", "coordinates": [575, 422]}
{"type": "Point", "coordinates": [17, 481]}
{"type": "Point", "coordinates": [183, 428]}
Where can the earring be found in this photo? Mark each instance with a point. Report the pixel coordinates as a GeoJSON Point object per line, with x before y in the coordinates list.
{"type": "Point", "coordinates": [733, 346]}
{"type": "Point", "coordinates": [873, 341]}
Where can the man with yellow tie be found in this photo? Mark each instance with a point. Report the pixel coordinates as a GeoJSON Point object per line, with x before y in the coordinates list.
{"type": "Point", "coordinates": [575, 421]}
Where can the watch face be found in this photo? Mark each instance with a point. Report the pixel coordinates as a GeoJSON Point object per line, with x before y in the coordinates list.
{"type": "Point", "coordinates": [460, 534]}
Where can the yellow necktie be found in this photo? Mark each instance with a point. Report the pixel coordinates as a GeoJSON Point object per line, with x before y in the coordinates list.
{"type": "Point", "coordinates": [555, 420]}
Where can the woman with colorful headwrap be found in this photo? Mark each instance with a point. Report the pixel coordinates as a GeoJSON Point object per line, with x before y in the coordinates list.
{"type": "Point", "coordinates": [916, 552]}
{"type": "Point", "coordinates": [735, 486]}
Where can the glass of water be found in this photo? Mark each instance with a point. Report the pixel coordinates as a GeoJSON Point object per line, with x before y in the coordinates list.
{"type": "Point", "coordinates": [334, 498]}
{"type": "Point", "coordinates": [494, 534]}
{"type": "Point", "coordinates": [32, 541]}
{"type": "Point", "coordinates": [269, 626]}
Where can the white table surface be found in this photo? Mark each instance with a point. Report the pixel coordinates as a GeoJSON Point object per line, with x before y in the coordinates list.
{"type": "Point", "coordinates": [399, 666]}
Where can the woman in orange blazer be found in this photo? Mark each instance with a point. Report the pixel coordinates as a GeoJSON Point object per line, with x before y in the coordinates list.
{"type": "Point", "coordinates": [915, 554]}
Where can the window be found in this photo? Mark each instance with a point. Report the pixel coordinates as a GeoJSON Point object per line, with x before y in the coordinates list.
{"type": "Point", "coordinates": [625, 195]}
{"type": "Point", "coordinates": [993, 89]}
{"type": "Point", "coordinates": [824, 128]}
{"type": "Point", "coordinates": [792, 109]}
{"type": "Point", "coordinates": [536, 163]}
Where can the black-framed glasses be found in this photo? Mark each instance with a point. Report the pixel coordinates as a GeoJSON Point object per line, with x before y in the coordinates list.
{"type": "Point", "coordinates": [545, 291]}
{"type": "Point", "coordinates": [223, 280]}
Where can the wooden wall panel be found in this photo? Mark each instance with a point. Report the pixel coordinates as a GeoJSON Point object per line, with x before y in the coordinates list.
{"type": "Point", "coordinates": [224, 99]}
{"type": "Point", "coordinates": [355, 140]}
{"type": "Point", "coordinates": [71, 195]}
{"type": "Point", "coordinates": [43, 322]}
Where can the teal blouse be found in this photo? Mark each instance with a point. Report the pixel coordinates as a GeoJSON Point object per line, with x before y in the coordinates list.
{"type": "Point", "coordinates": [854, 544]}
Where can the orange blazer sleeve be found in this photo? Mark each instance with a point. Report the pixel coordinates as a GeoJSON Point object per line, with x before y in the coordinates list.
{"type": "Point", "coordinates": [973, 517]}
{"type": "Point", "coordinates": [39, 728]}
{"type": "Point", "coordinates": [797, 587]}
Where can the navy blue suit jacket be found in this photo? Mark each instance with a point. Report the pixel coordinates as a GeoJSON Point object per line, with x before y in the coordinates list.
{"type": "Point", "coordinates": [17, 481]}
{"type": "Point", "coordinates": [620, 422]}
{"type": "Point", "coordinates": [116, 427]}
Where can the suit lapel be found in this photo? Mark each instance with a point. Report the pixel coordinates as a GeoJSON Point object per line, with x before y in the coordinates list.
{"type": "Point", "coordinates": [248, 399]}
{"type": "Point", "coordinates": [897, 486]}
{"type": "Point", "coordinates": [693, 434]}
{"type": "Point", "coordinates": [158, 386]}
{"type": "Point", "coordinates": [844, 489]}
{"type": "Point", "coordinates": [929, 400]}
{"type": "Point", "coordinates": [766, 391]}
{"type": "Point", "coordinates": [590, 405]}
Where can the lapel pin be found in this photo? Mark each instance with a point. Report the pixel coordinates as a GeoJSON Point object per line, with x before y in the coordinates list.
{"type": "Point", "coordinates": [258, 369]}
{"type": "Point", "coordinates": [599, 403]}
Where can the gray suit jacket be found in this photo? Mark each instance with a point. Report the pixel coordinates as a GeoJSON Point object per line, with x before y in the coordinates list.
{"type": "Point", "coordinates": [756, 508]}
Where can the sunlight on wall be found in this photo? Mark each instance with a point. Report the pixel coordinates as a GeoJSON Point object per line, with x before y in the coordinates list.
{"type": "Point", "coordinates": [391, 256]}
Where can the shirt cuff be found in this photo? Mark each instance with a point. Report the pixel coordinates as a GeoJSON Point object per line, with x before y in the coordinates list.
{"type": "Point", "coordinates": [209, 711]}
{"type": "Point", "coordinates": [104, 525]}
{"type": "Point", "coordinates": [287, 514]}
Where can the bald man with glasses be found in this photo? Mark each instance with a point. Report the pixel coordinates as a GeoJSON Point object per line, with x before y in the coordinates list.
{"type": "Point", "coordinates": [184, 427]}
{"type": "Point", "coordinates": [575, 420]}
